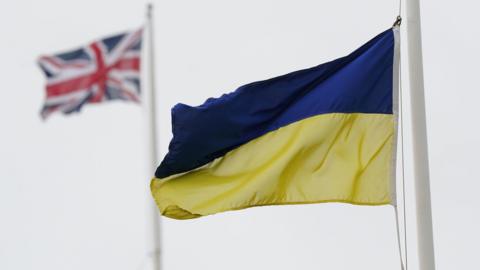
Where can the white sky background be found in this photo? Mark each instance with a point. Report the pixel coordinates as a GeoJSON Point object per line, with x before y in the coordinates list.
{"type": "Point", "coordinates": [74, 190]}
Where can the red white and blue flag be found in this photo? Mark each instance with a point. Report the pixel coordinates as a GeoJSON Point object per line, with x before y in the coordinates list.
{"type": "Point", "coordinates": [106, 69]}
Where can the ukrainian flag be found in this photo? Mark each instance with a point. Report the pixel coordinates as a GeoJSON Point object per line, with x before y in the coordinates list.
{"type": "Point", "coordinates": [323, 134]}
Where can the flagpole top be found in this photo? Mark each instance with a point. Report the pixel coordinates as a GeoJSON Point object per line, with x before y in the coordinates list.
{"type": "Point", "coordinates": [149, 10]}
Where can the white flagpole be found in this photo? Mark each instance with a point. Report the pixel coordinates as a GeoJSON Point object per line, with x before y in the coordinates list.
{"type": "Point", "coordinates": [420, 147]}
{"type": "Point", "coordinates": [154, 237]}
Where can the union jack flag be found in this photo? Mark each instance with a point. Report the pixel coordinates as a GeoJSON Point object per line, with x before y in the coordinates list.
{"type": "Point", "coordinates": [106, 69]}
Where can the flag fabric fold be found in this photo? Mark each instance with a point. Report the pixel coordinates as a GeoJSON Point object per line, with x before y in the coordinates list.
{"type": "Point", "coordinates": [323, 134]}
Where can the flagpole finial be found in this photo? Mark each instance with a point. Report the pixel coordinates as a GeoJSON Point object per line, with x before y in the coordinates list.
{"type": "Point", "coordinates": [149, 10]}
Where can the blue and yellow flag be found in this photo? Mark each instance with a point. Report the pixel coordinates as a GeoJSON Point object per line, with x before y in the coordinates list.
{"type": "Point", "coordinates": [323, 134]}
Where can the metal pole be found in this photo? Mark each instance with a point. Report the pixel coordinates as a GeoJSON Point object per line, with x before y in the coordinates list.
{"type": "Point", "coordinates": [155, 244]}
{"type": "Point", "coordinates": [420, 147]}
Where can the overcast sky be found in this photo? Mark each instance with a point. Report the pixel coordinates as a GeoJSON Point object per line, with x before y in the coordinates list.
{"type": "Point", "coordinates": [74, 190]}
